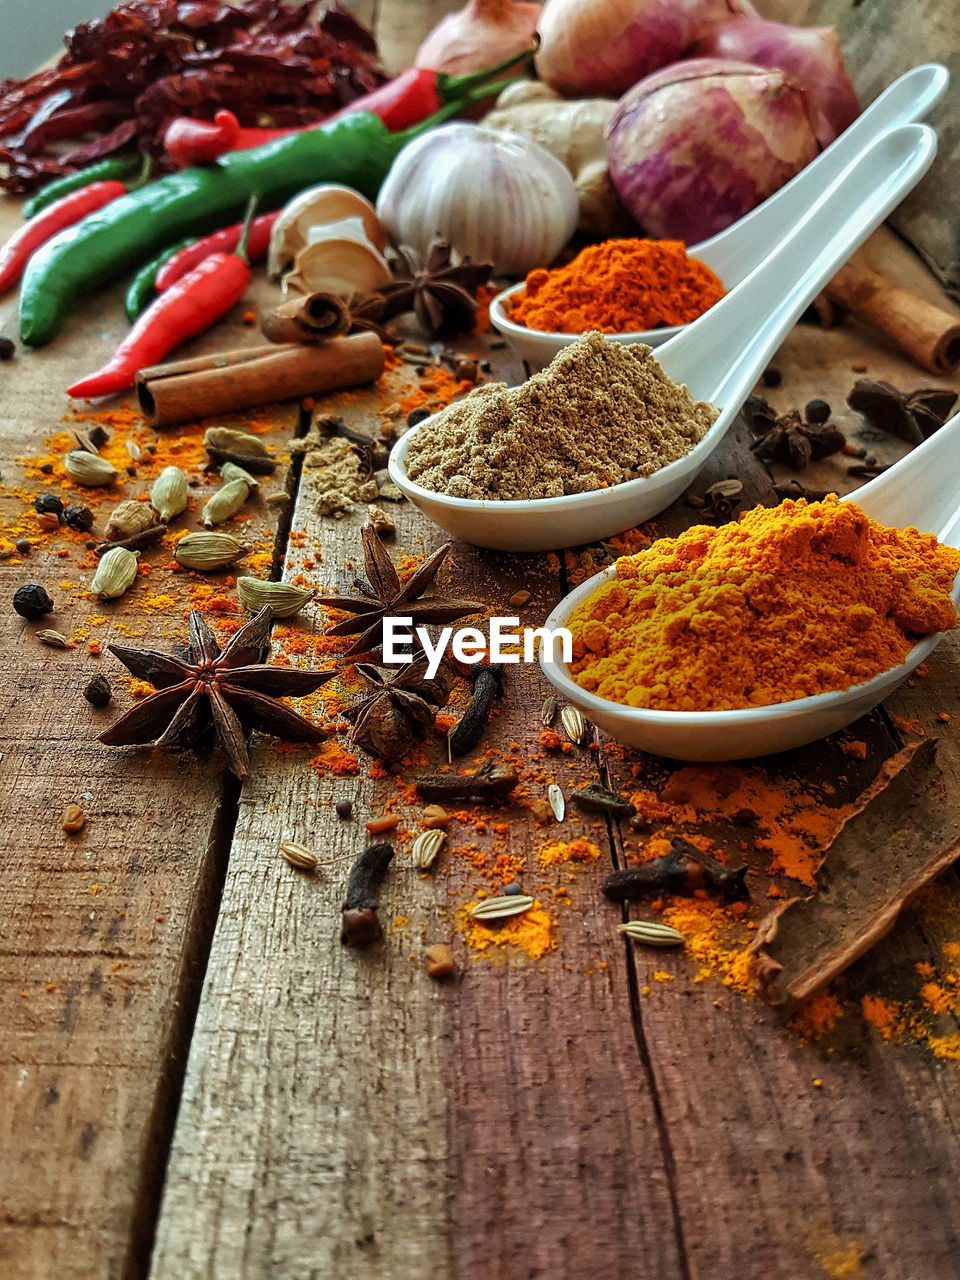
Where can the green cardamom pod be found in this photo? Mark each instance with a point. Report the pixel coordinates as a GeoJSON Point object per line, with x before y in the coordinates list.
{"type": "Point", "coordinates": [89, 468]}
{"type": "Point", "coordinates": [284, 599]}
{"type": "Point", "coordinates": [230, 441]}
{"type": "Point", "coordinates": [207, 551]}
{"type": "Point", "coordinates": [230, 471]}
{"type": "Point", "coordinates": [115, 573]}
{"type": "Point", "coordinates": [127, 519]}
{"type": "Point", "coordinates": [169, 493]}
{"type": "Point", "coordinates": [226, 502]}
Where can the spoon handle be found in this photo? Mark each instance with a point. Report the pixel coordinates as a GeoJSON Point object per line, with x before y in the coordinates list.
{"type": "Point", "coordinates": [735, 251]}
{"type": "Point", "coordinates": [920, 489]}
{"type": "Point", "coordinates": [721, 355]}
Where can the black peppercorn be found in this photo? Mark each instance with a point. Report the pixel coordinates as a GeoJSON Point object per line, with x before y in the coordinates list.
{"type": "Point", "coordinates": [23, 546]}
{"type": "Point", "coordinates": [98, 692]}
{"type": "Point", "coordinates": [772, 377]}
{"type": "Point", "coordinates": [91, 544]}
{"type": "Point", "coordinates": [47, 468]}
{"type": "Point", "coordinates": [48, 502]}
{"type": "Point", "coordinates": [7, 349]}
{"type": "Point", "coordinates": [79, 518]}
{"type": "Point", "coordinates": [817, 411]}
{"type": "Point", "coordinates": [417, 415]}
{"type": "Point", "coordinates": [344, 808]}
{"type": "Point", "coordinates": [31, 601]}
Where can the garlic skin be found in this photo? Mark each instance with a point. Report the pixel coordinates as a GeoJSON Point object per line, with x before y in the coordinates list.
{"type": "Point", "coordinates": [493, 196]}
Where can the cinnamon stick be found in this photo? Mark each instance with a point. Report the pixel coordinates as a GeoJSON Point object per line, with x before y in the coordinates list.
{"type": "Point", "coordinates": [192, 389]}
{"type": "Point", "coordinates": [928, 334]}
{"type": "Point", "coordinates": [312, 317]}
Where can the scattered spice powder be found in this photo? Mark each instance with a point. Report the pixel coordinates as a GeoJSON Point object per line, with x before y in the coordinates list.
{"type": "Point", "coordinates": [618, 286]}
{"type": "Point", "coordinates": [786, 602]}
{"type": "Point", "coordinates": [557, 852]}
{"type": "Point", "coordinates": [600, 414]}
{"type": "Point", "coordinates": [533, 932]}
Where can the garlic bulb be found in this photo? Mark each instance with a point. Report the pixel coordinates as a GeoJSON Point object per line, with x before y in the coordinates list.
{"type": "Point", "coordinates": [493, 196]}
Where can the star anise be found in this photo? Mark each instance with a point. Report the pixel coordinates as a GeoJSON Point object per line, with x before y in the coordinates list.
{"type": "Point", "coordinates": [913, 416]}
{"type": "Point", "coordinates": [228, 688]}
{"type": "Point", "coordinates": [787, 438]}
{"type": "Point", "coordinates": [383, 595]}
{"type": "Point", "coordinates": [441, 294]}
{"type": "Point", "coordinates": [368, 312]}
{"type": "Point", "coordinates": [400, 711]}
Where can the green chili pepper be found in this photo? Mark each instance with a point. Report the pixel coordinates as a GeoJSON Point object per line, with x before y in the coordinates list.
{"type": "Point", "coordinates": [140, 290]}
{"type": "Point", "coordinates": [355, 149]}
{"type": "Point", "coordinates": [116, 167]}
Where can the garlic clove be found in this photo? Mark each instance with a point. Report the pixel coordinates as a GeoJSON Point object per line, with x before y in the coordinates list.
{"type": "Point", "coordinates": [340, 267]}
{"type": "Point", "coordinates": [318, 206]}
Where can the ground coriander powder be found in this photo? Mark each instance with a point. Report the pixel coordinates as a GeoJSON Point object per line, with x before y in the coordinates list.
{"type": "Point", "coordinates": [601, 413]}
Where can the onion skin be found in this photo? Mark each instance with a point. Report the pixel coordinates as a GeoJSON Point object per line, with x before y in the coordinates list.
{"type": "Point", "coordinates": [478, 35]}
{"type": "Point", "coordinates": [696, 146]}
{"type": "Point", "coordinates": [811, 56]}
{"type": "Point", "coordinates": [600, 48]}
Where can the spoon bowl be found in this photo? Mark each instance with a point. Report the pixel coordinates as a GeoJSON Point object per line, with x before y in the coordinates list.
{"type": "Point", "coordinates": [719, 357]}
{"type": "Point", "coordinates": [917, 491]}
{"type": "Point", "coordinates": [737, 250]}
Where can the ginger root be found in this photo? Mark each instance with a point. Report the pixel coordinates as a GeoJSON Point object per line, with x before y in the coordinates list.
{"type": "Point", "coordinates": [573, 131]}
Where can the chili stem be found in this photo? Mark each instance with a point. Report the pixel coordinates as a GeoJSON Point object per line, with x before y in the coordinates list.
{"type": "Point", "coordinates": [241, 249]}
{"type": "Point", "coordinates": [456, 86]}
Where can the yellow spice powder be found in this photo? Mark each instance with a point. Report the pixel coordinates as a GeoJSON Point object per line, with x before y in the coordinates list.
{"type": "Point", "coordinates": [785, 602]}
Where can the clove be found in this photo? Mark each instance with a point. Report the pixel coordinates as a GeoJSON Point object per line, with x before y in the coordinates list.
{"type": "Point", "coordinates": [360, 925]}
{"type": "Point", "coordinates": [487, 687]}
{"type": "Point", "coordinates": [491, 782]}
{"type": "Point", "coordinates": [256, 466]}
{"type": "Point", "coordinates": [596, 799]}
{"type": "Point", "coordinates": [136, 542]}
{"type": "Point", "coordinates": [683, 870]}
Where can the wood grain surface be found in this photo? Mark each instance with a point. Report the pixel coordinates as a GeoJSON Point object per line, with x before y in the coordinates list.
{"type": "Point", "coordinates": [169, 985]}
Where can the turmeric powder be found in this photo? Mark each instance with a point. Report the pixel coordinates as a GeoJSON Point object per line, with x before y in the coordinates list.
{"type": "Point", "coordinates": [619, 286]}
{"type": "Point", "coordinates": [785, 602]}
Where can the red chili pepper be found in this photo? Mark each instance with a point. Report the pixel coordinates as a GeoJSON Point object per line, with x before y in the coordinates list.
{"type": "Point", "coordinates": [189, 307]}
{"type": "Point", "coordinates": [188, 142]}
{"type": "Point", "coordinates": [401, 103]}
{"type": "Point", "coordinates": [65, 212]}
{"type": "Point", "coordinates": [225, 241]}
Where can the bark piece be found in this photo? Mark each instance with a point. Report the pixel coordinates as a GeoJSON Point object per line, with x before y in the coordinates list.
{"type": "Point", "coordinates": [904, 832]}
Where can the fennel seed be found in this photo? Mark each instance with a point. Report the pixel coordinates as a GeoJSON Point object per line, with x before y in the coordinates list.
{"type": "Point", "coordinates": [652, 933]}
{"type": "Point", "coordinates": [574, 725]}
{"type": "Point", "coordinates": [548, 711]}
{"type": "Point", "coordinates": [500, 908]}
{"type": "Point", "coordinates": [557, 802]}
{"type": "Point", "coordinates": [299, 856]}
{"type": "Point", "coordinates": [426, 847]}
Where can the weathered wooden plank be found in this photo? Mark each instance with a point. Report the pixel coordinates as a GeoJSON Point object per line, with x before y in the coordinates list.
{"type": "Point", "coordinates": [389, 1124]}
{"type": "Point", "coordinates": [102, 935]}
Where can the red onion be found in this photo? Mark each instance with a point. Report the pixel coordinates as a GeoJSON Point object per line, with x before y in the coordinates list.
{"type": "Point", "coordinates": [599, 48]}
{"type": "Point", "coordinates": [810, 55]}
{"type": "Point", "coordinates": [480, 34]}
{"type": "Point", "coordinates": [699, 144]}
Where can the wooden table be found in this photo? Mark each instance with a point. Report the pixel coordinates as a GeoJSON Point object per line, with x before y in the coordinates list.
{"type": "Point", "coordinates": [199, 1081]}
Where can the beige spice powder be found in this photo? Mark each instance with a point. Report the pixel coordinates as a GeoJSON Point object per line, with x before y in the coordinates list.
{"type": "Point", "coordinates": [601, 413]}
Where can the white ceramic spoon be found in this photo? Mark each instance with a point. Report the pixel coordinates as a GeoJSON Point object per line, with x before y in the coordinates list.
{"type": "Point", "coordinates": [720, 356]}
{"type": "Point", "coordinates": [920, 490]}
{"type": "Point", "coordinates": [734, 252]}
